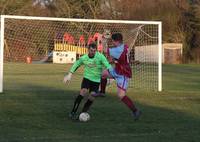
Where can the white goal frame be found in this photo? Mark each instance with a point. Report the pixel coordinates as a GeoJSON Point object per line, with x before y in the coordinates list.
{"type": "Point", "coordinates": [3, 17]}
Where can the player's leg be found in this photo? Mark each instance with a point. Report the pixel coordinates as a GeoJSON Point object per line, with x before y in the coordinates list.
{"type": "Point", "coordinates": [93, 89]}
{"type": "Point", "coordinates": [103, 83]}
{"type": "Point", "coordinates": [88, 103]}
{"type": "Point", "coordinates": [103, 86]}
{"type": "Point", "coordinates": [122, 85]}
{"type": "Point", "coordinates": [78, 99]}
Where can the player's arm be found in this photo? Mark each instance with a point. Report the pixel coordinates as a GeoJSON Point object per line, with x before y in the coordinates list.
{"type": "Point", "coordinates": [110, 58]}
{"type": "Point", "coordinates": [75, 66]}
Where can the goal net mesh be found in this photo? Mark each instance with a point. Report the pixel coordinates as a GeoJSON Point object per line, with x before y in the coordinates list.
{"type": "Point", "coordinates": [39, 38]}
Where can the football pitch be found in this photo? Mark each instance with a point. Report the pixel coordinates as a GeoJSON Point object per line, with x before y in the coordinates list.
{"type": "Point", "coordinates": [35, 104]}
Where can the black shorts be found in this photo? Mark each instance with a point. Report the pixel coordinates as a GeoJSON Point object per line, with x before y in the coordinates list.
{"type": "Point", "coordinates": [91, 85]}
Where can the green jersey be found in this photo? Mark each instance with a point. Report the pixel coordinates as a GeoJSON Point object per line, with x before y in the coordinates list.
{"type": "Point", "coordinates": [93, 67]}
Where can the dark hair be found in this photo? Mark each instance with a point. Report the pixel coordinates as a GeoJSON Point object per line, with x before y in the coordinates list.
{"type": "Point", "coordinates": [92, 45]}
{"type": "Point", "coordinates": [117, 37]}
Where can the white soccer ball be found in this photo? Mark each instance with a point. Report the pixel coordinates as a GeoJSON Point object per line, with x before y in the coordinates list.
{"type": "Point", "coordinates": [84, 117]}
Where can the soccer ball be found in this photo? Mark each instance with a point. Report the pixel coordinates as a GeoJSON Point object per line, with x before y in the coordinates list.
{"type": "Point", "coordinates": [84, 117]}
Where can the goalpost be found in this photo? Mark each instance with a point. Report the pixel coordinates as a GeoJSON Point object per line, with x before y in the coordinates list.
{"type": "Point", "coordinates": [38, 38]}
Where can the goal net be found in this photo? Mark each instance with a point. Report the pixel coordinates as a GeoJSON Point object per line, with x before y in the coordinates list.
{"type": "Point", "coordinates": [38, 40]}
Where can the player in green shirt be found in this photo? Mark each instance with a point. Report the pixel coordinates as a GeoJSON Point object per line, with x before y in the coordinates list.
{"type": "Point", "coordinates": [93, 63]}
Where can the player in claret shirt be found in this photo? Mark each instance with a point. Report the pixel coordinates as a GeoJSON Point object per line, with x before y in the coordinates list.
{"type": "Point", "coordinates": [121, 72]}
{"type": "Point", "coordinates": [93, 63]}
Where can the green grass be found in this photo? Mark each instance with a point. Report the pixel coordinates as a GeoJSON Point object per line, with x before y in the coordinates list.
{"type": "Point", "coordinates": [35, 104]}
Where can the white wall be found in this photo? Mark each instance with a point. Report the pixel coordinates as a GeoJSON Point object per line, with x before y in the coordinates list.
{"type": "Point", "coordinates": [147, 53]}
